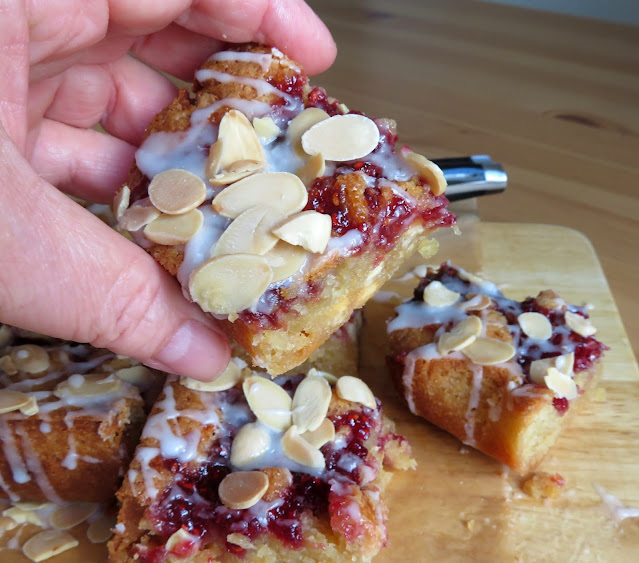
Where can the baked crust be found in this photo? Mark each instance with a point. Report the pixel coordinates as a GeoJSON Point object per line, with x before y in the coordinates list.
{"type": "Point", "coordinates": [497, 409]}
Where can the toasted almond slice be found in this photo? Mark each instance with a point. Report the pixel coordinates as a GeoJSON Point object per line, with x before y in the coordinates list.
{"type": "Point", "coordinates": [23, 515]}
{"type": "Point", "coordinates": [240, 141]}
{"type": "Point", "coordinates": [355, 390]}
{"type": "Point", "coordinates": [30, 358]}
{"type": "Point", "coordinates": [535, 325]}
{"type": "Point", "coordinates": [478, 302]}
{"type": "Point", "coordinates": [243, 489]}
{"type": "Point", "coordinates": [250, 232]}
{"type": "Point", "coordinates": [268, 401]}
{"type": "Point", "coordinates": [298, 449]}
{"type": "Point", "coordinates": [285, 260]}
{"type": "Point", "coordinates": [229, 378]}
{"type": "Point", "coordinates": [7, 524]}
{"type": "Point", "coordinates": [332, 380]}
{"type": "Point", "coordinates": [178, 539]}
{"type": "Point", "coordinates": [88, 385]}
{"type": "Point", "coordinates": [69, 515]}
{"type": "Point", "coordinates": [100, 529]}
{"type": "Point", "coordinates": [309, 229]}
{"type": "Point", "coordinates": [12, 400]}
{"type": "Point", "coordinates": [174, 229]}
{"type": "Point", "coordinates": [301, 123]}
{"type": "Point", "coordinates": [237, 171]}
{"type": "Point", "coordinates": [176, 191]}
{"type": "Point", "coordinates": [489, 351]}
{"type": "Point", "coordinates": [214, 159]}
{"type": "Point", "coordinates": [6, 335]}
{"type": "Point", "coordinates": [140, 376]}
{"type": "Point", "coordinates": [461, 335]}
{"type": "Point", "coordinates": [282, 190]}
{"type": "Point", "coordinates": [343, 108]}
{"type": "Point", "coordinates": [250, 443]}
{"type": "Point", "coordinates": [241, 540]}
{"type": "Point", "coordinates": [266, 129]}
{"type": "Point", "coordinates": [436, 294]}
{"type": "Point", "coordinates": [230, 283]}
{"type": "Point", "coordinates": [427, 171]}
{"type": "Point", "coordinates": [342, 137]}
{"type": "Point", "coordinates": [310, 403]}
{"type": "Point", "coordinates": [313, 168]}
{"type": "Point", "coordinates": [34, 505]}
{"type": "Point", "coordinates": [121, 201]}
{"type": "Point", "coordinates": [46, 544]}
{"type": "Point", "coordinates": [31, 407]}
{"type": "Point", "coordinates": [579, 324]}
{"type": "Point", "coordinates": [323, 434]}
{"type": "Point", "coordinates": [562, 385]}
{"type": "Point", "coordinates": [138, 216]}
{"type": "Point", "coordinates": [7, 365]}
{"type": "Point", "coordinates": [539, 368]}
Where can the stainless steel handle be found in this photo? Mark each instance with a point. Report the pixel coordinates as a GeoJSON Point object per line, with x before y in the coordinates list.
{"type": "Point", "coordinates": [472, 176]}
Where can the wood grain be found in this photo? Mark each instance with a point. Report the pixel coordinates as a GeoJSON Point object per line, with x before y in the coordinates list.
{"type": "Point", "coordinates": [552, 97]}
{"type": "Point", "coordinates": [462, 506]}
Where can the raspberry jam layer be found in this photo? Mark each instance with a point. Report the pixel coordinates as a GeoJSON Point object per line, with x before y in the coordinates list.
{"type": "Point", "coordinates": [192, 503]}
{"type": "Point", "coordinates": [587, 350]}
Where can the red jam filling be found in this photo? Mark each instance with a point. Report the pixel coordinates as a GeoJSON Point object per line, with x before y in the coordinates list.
{"type": "Point", "coordinates": [317, 98]}
{"type": "Point", "coordinates": [192, 503]}
{"type": "Point", "coordinates": [587, 350]}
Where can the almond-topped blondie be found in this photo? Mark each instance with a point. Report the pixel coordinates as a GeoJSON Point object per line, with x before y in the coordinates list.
{"type": "Point", "coordinates": [247, 468]}
{"type": "Point", "coordinates": [70, 418]}
{"type": "Point", "coordinates": [278, 209]}
{"type": "Point", "coordinates": [498, 374]}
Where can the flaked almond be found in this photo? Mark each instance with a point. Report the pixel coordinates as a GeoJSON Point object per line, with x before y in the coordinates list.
{"type": "Point", "coordinates": [436, 294]}
{"type": "Point", "coordinates": [243, 489]}
{"type": "Point", "coordinates": [535, 325]}
{"type": "Point", "coordinates": [31, 407]}
{"type": "Point", "coordinates": [250, 443]}
{"type": "Point", "coordinates": [214, 159]}
{"type": "Point", "coordinates": [7, 524]}
{"type": "Point", "coordinates": [266, 129]}
{"type": "Point", "coordinates": [237, 171]}
{"type": "Point", "coordinates": [355, 390]}
{"type": "Point", "coordinates": [310, 403]}
{"type": "Point", "coordinates": [30, 358]}
{"type": "Point", "coordinates": [562, 385]}
{"type": "Point", "coordinates": [181, 540]}
{"type": "Point", "coordinates": [461, 335]}
{"type": "Point", "coordinates": [342, 137]}
{"type": "Point", "coordinates": [476, 302]}
{"type": "Point", "coordinates": [174, 229]}
{"type": "Point", "coordinates": [137, 216]}
{"type": "Point", "coordinates": [67, 516]}
{"type": "Point", "coordinates": [239, 139]}
{"type": "Point", "coordinates": [121, 201]}
{"type": "Point", "coordinates": [281, 190]}
{"type": "Point", "coordinates": [176, 191]}
{"type": "Point", "coordinates": [99, 530]}
{"type": "Point", "coordinates": [489, 351]}
{"type": "Point", "coordinates": [309, 229]}
{"type": "Point", "coordinates": [230, 283]}
{"type": "Point", "coordinates": [229, 378]}
{"type": "Point", "coordinates": [285, 260]}
{"type": "Point", "coordinates": [6, 335]}
{"type": "Point", "coordinates": [87, 385]}
{"type": "Point", "coordinates": [323, 434]}
{"type": "Point", "coordinates": [7, 365]}
{"type": "Point", "coordinates": [140, 376]}
{"type": "Point", "coordinates": [343, 108]}
{"type": "Point", "coordinates": [47, 544]}
{"type": "Point", "coordinates": [299, 450]}
{"type": "Point", "coordinates": [268, 401]}
{"type": "Point", "coordinates": [301, 123]}
{"type": "Point", "coordinates": [332, 380]}
{"type": "Point", "coordinates": [22, 515]}
{"type": "Point", "coordinates": [12, 400]}
{"type": "Point", "coordinates": [250, 232]}
{"type": "Point", "coordinates": [240, 540]}
{"type": "Point", "coordinates": [539, 368]}
{"type": "Point", "coordinates": [427, 171]}
{"type": "Point", "coordinates": [313, 168]}
{"type": "Point", "coordinates": [579, 324]}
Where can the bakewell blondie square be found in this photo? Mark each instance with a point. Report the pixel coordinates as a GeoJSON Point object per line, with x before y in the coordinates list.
{"type": "Point", "coordinates": [254, 469]}
{"type": "Point", "coordinates": [498, 374]}
{"type": "Point", "coordinates": [278, 209]}
{"type": "Point", "coordinates": [70, 418]}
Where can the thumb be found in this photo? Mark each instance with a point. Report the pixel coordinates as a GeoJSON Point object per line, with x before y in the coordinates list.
{"type": "Point", "coordinates": [65, 273]}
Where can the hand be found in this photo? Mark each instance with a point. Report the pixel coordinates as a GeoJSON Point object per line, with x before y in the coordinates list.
{"type": "Point", "coordinates": [64, 67]}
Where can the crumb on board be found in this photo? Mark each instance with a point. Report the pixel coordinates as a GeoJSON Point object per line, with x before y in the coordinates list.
{"type": "Point", "coordinates": [541, 485]}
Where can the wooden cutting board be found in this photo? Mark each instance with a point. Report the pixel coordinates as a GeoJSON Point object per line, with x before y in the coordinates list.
{"type": "Point", "coordinates": [460, 505]}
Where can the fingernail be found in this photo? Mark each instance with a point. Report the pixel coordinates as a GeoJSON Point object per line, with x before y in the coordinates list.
{"type": "Point", "coordinates": [195, 350]}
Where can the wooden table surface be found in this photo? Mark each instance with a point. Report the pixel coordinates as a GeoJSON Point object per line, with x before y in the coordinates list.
{"type": "Point", "coordinates": [553, 98]}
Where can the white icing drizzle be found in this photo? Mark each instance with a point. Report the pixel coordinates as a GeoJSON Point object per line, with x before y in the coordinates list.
{"type": "Point", "coordinates": [473, 402]}
{"type": "Point", "coordinates": [12, 454]}
{"type": "Point", "coordinates": [617, 509]}
{"type": "Point", "coordinates": [262, 87]}
{"type": "Point", "coordinates": [262, 59]}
